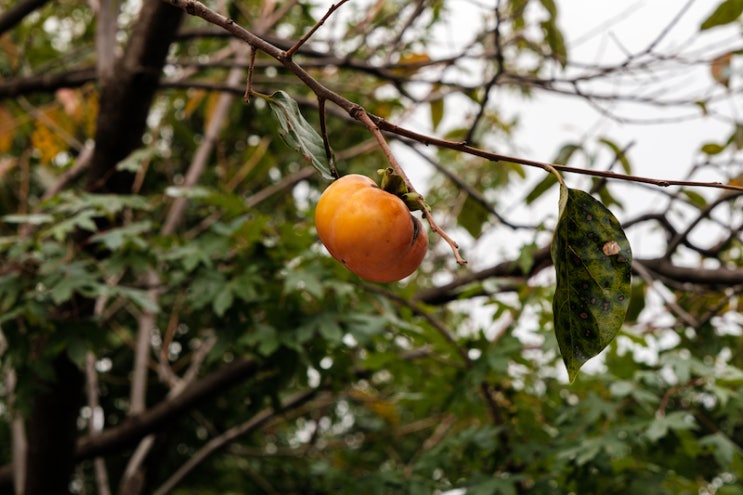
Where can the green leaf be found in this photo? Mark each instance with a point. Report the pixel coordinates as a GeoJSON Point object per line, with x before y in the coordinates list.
{"type": "Point", "coordinates": [85, 220]}
{"type": "Point", "coordinates": [437, 112]}
{"type": "Point", "coordinates": [556, 42]}
{"type": "Point", "coordinates": [721, 447]}
{"type": "Point", "coordinates": [133, 163]}
{"type": "Point", "coordinates": [619, 153]}
{"type": "Point", "coordinates": [115, 238]}
{"type": "Point", "coordinates": [550, 6]}
{"type": "Point", "coordinates": [30, 219]}
{"type": "Point", "coordinates": [472, 217]}
{"type": "Point", "coordinates": [298, 134]}
{"type": "Point", "coordinates": [662, 425]}
{"type": "Point", "coordinates": [223, 300]}
{"type": "Point", "coordinates": [712, 149]}
{"type": "Point", "coordinates": [69, 278]}
{"type": "Point", "coordinates": [727, 12]}
{"type": "Point", "coordinates": [195, 192]}
{"type": "Point", "coordinates": [566, 152]}
{"type": "Point", "coordinates": [695, 198]}
{"type": "Point", "coordinates": [562, 158]}
{"type": "Point", "coordinates": [593, 263]}
{"type": "Point", "coordinates": [543, 186]}
{"type": "Point", "coordinates": [77, 350]}
{"type": "Point", "coordinates": [140, 297]}
{"type": "Point", "coordinates": [736, 138]}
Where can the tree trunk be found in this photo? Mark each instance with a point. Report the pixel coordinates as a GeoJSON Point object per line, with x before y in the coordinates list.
{"type": "Point", "coordinates": [125, 101]}
{"type": "Point", "coordinates": [126, 97]}
{"type": "Point", "coordinates": [52, 431]}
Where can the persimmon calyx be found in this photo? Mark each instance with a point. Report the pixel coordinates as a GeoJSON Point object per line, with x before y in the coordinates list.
{"type": "Point", "coordinates": [393, 183]}
{"type": "Point", "coordinates": [415, 202]}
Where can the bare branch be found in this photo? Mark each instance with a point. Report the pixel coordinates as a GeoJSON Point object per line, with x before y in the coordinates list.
{"type": "Point", "coordinates": [17, 12]}
{"type": "Point", "coordinates": [95, 422]}
{"type": "Point", "coordinates": [291, 51]}
{"type": "Point", "coordinates": [198, 9]}
{"type": "Point", "coordinates": [136, 427]}
{"type": "Point", "coordinates": [681, 237]}
{"type": "Point", "coordinates": [231, 435]}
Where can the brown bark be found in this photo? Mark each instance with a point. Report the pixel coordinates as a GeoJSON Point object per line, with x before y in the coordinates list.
{"type": "Point", "coordinates": [52, 431]}
{"type": "Point", "coordinates": [127, 96]}
{"type": "Point", "coordinates": [17, 12]}
{"type": "Point", "coordinates": [125, 101]}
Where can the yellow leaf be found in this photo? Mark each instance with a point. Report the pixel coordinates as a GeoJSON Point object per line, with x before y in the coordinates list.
{"type": "Point", "coordinates": [410, 63]}
{"type": "Point", "coordinates": [11, 52]}
{"type": "Point", "coordinates": [385, 409]}
{"type": "Point", "coordinates": [736, 181]}
{"type": "Point", "coordinates": [7, 125]}
{"type": "Point", "coordinates": [196, 96]}
{"type": "Point", "coordinates": [46, 137]}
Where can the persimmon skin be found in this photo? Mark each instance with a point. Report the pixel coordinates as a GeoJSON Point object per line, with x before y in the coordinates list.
{"type": "Point", "coordinates": [369, 230]}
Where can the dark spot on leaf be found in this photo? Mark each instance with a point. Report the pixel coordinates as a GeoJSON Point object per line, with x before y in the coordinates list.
{"type": "Point", "coordinates": [606, 306]}
{"type": "Point", "coordinates": [583, 315]}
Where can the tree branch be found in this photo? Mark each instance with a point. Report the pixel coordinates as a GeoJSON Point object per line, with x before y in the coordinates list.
{"type": "Point", "coordinates": [662, 267]}
{"type": "Point", "coordinates": [136, 427]}
{"type": "Point", "coordinates": [17, 12]}
{"type": "Point", "coordinates": [230, 436]}
{"type": "Point", "coordinates": [46, 82]}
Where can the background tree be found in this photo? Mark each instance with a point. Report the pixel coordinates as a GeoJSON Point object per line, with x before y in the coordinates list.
{"type": "Point", "coordinates": [170, 324]}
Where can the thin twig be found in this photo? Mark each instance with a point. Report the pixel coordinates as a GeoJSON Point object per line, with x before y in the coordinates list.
{"type": "Point", "coordinates": [249, 83]}
{"type": "Point", "coordinates": [198, 9]}
{"type": "Point", "coordinates": [680, 237]}
{"type": "Point", "coordinates": [498, 157]}
{"type": "Point", "coordinates": [364, 117]}
{"type": "Point", "coordinates": [325, 140]}
{"type": "Point", "coordinates": [499, 71]}
{"type": "Point", "coordinates": [234, 433]}
{"type": "Point", "coordinates": [419, 309]}
{"type": "Point", "coordinates": [291, 51]}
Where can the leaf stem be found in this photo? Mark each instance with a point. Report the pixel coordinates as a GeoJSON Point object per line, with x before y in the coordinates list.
{"type": "Point", "coordinates": [325, 140]}
{"type": "Point", "coordinates": [551, 169]}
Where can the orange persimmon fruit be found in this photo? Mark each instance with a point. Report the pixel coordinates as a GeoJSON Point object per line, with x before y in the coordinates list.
{"type": "Point", "coordinates": [369, 230]}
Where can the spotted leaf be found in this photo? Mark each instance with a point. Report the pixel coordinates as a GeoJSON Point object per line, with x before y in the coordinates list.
{"type": "Point", "coordinates": [593, 262]}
